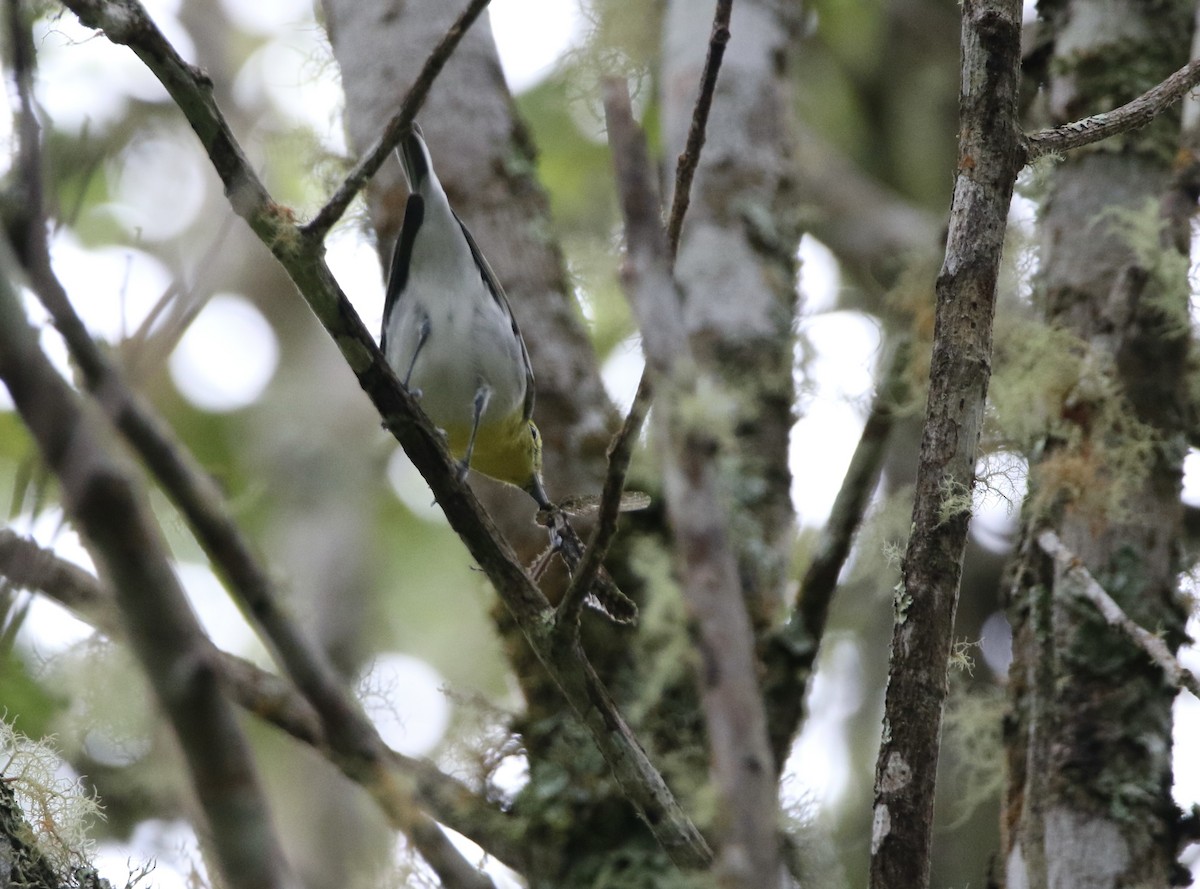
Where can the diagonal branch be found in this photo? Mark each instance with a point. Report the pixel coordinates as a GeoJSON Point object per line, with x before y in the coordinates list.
{"type": "Point", "coordinates": [395, 128]}
{"type": "Point", "coordinates": [1130, 116]}
{"type": "Point", "coordinates": [301, 257]}
{"type": "Point", "coordinates": [689, 159]}
{"type": "Point", "coordinates": [1087, 586]}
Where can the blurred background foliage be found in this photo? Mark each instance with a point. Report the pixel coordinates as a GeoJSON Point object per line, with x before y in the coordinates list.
{"type": "Point", "coordinates": [216, 338]}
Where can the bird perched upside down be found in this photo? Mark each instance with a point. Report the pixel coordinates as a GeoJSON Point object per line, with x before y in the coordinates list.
{"type": "Point", "coordinates": [450, 335]}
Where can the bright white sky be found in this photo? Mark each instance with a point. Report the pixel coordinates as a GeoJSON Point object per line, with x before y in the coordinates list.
{"type": "Point", "coordinates": [88, 80]}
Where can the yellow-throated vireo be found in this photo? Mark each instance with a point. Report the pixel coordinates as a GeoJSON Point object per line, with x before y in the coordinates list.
{"type": "Point", "coordinates": [450, 335]}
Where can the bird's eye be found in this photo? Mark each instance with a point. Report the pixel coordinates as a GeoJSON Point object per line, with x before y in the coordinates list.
{"type": "Point", "coordinates": [533, 430]}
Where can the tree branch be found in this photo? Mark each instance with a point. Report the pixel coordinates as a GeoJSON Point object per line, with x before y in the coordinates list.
{"type": "Point", "coordinates": [302, 258]}
{"type": "Point", "coordinates": [395, 128]}
{"type": "Point", "coordinates": [741, 759]}
{"type": "Point", "coordinates": [990, 154]}
{"type": "Point", "coordinates": [413, 782]}
{"type": "Point", "coordinates": [112, 512]}
{"type": "Point", "coordinates": [1073, 570]}
{"type": "Point", "coordinates": [1129, 116]}
{"type": "Point", "coordinates": [689, 159]}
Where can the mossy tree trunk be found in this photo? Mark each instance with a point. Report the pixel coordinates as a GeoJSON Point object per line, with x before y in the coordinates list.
{"type": "Point", "coordinates": [1088, 739]}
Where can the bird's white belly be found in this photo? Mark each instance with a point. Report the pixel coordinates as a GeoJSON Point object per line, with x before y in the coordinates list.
{"type": "Point", "coordinates": [470, 344]}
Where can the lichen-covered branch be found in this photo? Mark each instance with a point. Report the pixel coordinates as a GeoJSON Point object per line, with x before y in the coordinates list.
{"type": "Point", "coordinates": [990, 155]}
{"type": "Point", "coordinates": [620, 450]}
{"type": "Point", "coordinates": [1129, 116]}
{"type": "Point", "coordinates": [1073, 569]}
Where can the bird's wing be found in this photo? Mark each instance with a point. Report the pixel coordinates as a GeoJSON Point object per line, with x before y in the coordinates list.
{"type": "Point", "coordinates": [414, 213]}
{"type": "Point", "coordinates": [493, 286]}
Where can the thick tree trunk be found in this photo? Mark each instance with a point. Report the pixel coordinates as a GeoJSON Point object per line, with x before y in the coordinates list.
{"type": "Point", "coordinates": [1089, 735]}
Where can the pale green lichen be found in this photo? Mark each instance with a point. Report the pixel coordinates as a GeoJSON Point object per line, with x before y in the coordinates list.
{"type": "Point", "coordinates": [971, 737]}
{"type": "Point", "coordinates": [59, 811]}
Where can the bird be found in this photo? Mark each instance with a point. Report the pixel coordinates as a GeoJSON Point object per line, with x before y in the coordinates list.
{"type": "Point", "coordinates": [450, 336]}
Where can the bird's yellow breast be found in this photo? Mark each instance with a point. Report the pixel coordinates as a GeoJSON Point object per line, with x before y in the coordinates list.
{"type": "Point", "coordinates": [505, 450]}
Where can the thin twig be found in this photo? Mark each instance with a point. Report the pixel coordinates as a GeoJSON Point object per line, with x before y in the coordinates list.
{"type": "Point", "coordinates": [1129, 116]}
{"type": "Point", "coordinates": [1086, 585]}
{"type": "Point", "coordinates": [642, 784]}
{"type": "Point", "coordinates": [113, 513]}
{"type": "Point", "coordinates": [792, 649]}
{"type": "Point", "coordinates": [395, 128]}
{"type": "Point", "coordinates": [689, 159]}
{"type": "Point", "coordinates": [620, 452]}
{"type": "Point", "coordinates": [26, 565]}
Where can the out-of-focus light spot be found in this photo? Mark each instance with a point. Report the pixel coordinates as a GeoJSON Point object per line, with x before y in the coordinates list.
{"type": "Point", "coordinates": [219, 617]}
{"type": "Point", "coordinates": [169, 848]}
{"type": "Point", "coordinates": [104, 746]}
{"type": "Point", "coordinates": [294, 75]}
{"type": "Point", "coordinates": [354, 262]}
{"type": "Point", "coordinates": [269, 18]}
{"type": "Point", "coordinates": [1186, 789]}
{"type": "Point", "coordinates": [409, 486]}
{"type": "Point", "coordinates": [995, 641]}
{"type": "Point", "coordinates": [1191, 478]}
{"type": "Point", "coordinates": [819, 276]}
{"type": "Point", "coordinates": [402, 696]}
{"type": "Point", "coordinates": [94, 80]}
{"type": "Point", "coordinates": [112, 289]}
{"type": "Point", "coordinates": [531, 36]}
{"type": "Point", "coordinates": [818, 767]}
{"type": "Point", "coordinates": [150, 168]}
{"type": "Point", "coordinates": [1003, 478]}
{"type": "Point", "coordinates": [227, 356]}
{"type": "Point", "coordinates": [622, 371]}
{"type": "Point", "coordinates": [844, 351]}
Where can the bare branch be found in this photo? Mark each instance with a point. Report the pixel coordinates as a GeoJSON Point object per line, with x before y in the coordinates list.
{"type": "Point", "coordinates": [1129, 116]}
{"type": "Point", "coordinates": [792, 649]}
{"type": "Point", "coordinates": [741, 758]}
{"type": "Point", "coordinates": [301, 257]}
{"type": "Point", "coordinates": [111, 510]}
{"type": "Point", "coordinates": [1073, 569]}
{"type": "Point", "coordinates": [689, 159]}
{"type": "Point", "coordinates": [395, 128]}
{"type": "Point", "coordinates": [990, 154]}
